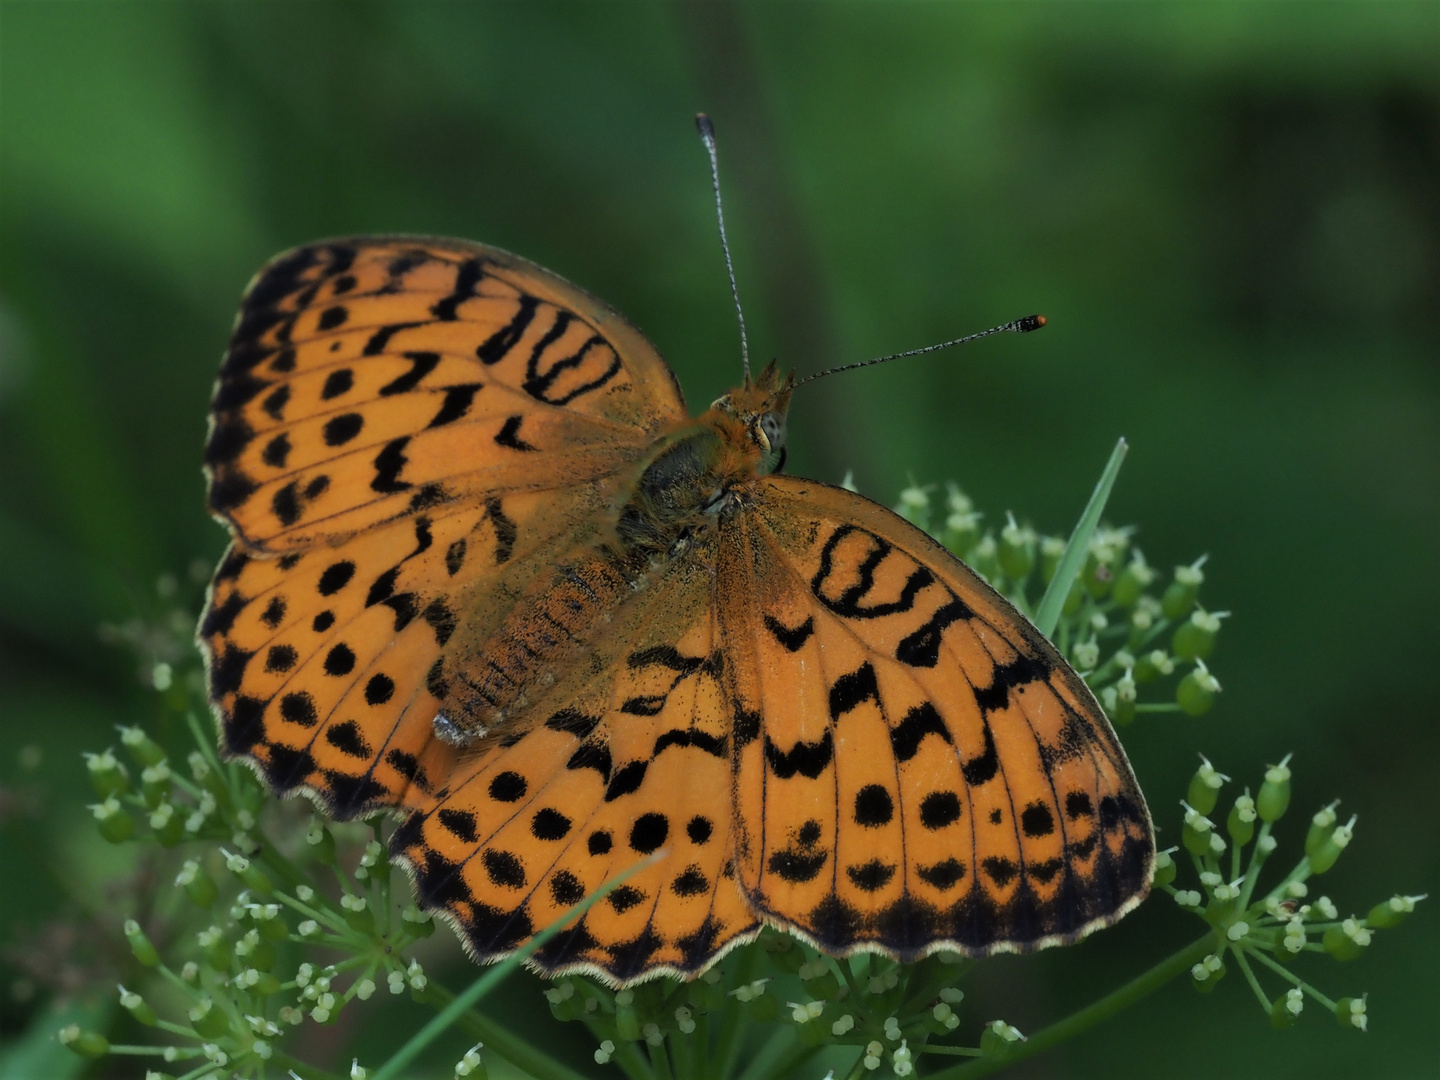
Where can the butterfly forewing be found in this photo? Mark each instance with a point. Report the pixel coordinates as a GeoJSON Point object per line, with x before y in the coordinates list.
{"type": "Point", "coordinates": [371, 378]}
{"type": "Point", "coordinates": [404, 432]}
{"type": "Point", "coordinates": [918, 768]}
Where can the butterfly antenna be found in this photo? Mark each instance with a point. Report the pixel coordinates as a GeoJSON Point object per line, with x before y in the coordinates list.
{"type": "Point", "coordinates": [707, 133]}
{"type": "Point", "coordinates": [1018, 326]}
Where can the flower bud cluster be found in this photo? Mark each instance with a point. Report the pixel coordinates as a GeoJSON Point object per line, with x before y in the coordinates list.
{"type": "Point", "coordinates": [1268, 930]}
{"type": "Point", "coordinates": [1128, 632]}
{"type": "Point", "coordinates": [236, 987]}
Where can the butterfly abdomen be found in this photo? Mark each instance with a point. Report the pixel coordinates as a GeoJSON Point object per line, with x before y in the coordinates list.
{"type": "Point", "coordinates": [550, 630]}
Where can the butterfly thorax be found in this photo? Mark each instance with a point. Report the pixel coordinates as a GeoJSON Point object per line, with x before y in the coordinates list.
{"type": "Point", "coordinates": [665, 511]}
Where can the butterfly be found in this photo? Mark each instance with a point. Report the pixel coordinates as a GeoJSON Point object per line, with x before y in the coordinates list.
{"type": "Point", "coordinates": [489, 574]}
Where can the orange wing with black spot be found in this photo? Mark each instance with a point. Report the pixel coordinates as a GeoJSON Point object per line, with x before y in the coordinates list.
{"type": "Point", "coordinates": [632, 757]}
{"type": "Point", "coordinates": [404, 432]}
{"type": "Point", "coordinates": [916, 768]}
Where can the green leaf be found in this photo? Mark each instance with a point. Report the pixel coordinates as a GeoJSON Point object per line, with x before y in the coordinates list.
{"type": "Point", "coordinates": [1047, 616]}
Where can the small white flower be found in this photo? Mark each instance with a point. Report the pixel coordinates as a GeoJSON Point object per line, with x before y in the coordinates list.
{"type": "Point", "coordinates": [470, 1062]}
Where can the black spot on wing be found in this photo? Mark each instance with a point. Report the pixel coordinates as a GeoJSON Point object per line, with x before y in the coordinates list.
{"type": "Point", "coordinates": [503, 868]}
{"type": "Point", "coordinates": [920, 721]}
{"type": "Point", "coordinates": [849, 690]}
{"type": "Point", "coordinates": [943, 875]}
{"type": "Point", "coordinates": [873, 806]}
{"type": "Point", "coordinates": [348, 740]}
{"type": "Point", "coordinates": [506, 531]}
{"type": "Point", "coordinates": [336, 576]}
{"type": "Point", "coordinates": [508, 787]}
{"type": "Point", "coordinates": [790, 639]}
{"type": "Point", "coordinates": [277, 451]}
{"type": "Point", "coordinates": [467, 277]}
{"type": "Point", "coordinates": [494, 348]}
{"type": "Point", "coordinates": [1019, 672]}
{"type": "Point", "coordinates": [573, 721]}
{"type": "Point", "coordinates": [714, 745]}
{"type": "Point", "coordinates": [982, 767]}
{"type": "Point", "coordinates": [871, 876]}
{"type": "Point", "coordinates": [797, 867]}
{"type": "Point", "coordinates": [388, 463]}
{"type": "Point", "coordinates": [339, 430]}
{"type": "Point", "coordinates": [456, 404]}
{"type": "Point", "coordinates": [626, 780]}
{"type": "Point", "coordinates": [922, 648]}
{"type": "Point", "coordinates": [274, 404]}
{"type": "Point", "coordinates": [337, 383]}
{"type": "Point", "coordinates": [299, 708]}
{"type": "Point", "coordinates": [245, 724]}
{"type": "Point", "coordinates": [1037, 820]}
{"type": "Point", "coordinates": [509, 435]}
{"type": "Point", "coordinates": [809, 759]}
{"type": "Point", "coordinates": [421, 364]}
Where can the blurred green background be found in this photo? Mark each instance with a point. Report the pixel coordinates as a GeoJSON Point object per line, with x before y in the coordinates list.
{"type": "Point", "coordinates": [1230, 213]}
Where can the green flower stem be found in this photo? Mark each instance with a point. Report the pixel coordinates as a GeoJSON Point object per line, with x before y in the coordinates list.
{"type": "Point", "coordinates": [632, 1062]}
{"type": "Point", "coordinates": [943, 975]}
{"type": "Point", "coordinates": [762, 1064]}
{"type": "Point", "coordinates": [955, 1051]}
{"type": "Point", "coordinates": [1250, 978]}
{"type": "Point", "coordinates": [789, 1062]}
{"type": "Point", "coordinates": [727, 1047]}
{"type": "Point", "coordinates": [1300, 873]}
{"type": "Point", "coordinates": [205, 743]}
{"type": "Point", "coordinates": [700, 1044]}
{"type": "Point", "coordinates": [1084, 1019]}
{"type": "Point", "coordinates": [861, 1013]}
{"type": "Point", "coordinates": [1157, 707]}
{"type": "Point", "coordinates": [500, 1039]}
{"type": "Point", "coordinates": [1288, 975]}
{"type": "Point", "coordinates": [1252, 872]}
{"type": "Point", "coordinates": [660, 1062]}
{"type": "Point", "coordinates": [117, 1048]}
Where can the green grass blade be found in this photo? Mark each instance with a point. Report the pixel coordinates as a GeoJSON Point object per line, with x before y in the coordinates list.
{"type": "Point", "coordinates": [1047, 615]}
{"type": "Point", "coordinates": [496, 975]}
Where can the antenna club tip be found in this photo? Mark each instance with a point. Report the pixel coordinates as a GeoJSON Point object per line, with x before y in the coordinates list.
{"type": "Point", "coordinates": [1032, 322]}
{"type": "Point", "coordinates": [704, 126]}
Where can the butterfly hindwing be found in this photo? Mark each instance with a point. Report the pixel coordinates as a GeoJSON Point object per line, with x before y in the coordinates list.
{"type": "Point", "coordinates": [371, 378]}
{"type": "Point", "coordinates": [631, 761]}
{"type": "Point", "coordinates": [923, 771]}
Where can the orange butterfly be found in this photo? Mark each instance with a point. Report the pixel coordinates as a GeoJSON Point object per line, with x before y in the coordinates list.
{"type": "Point", "coordinates": [488, 572]}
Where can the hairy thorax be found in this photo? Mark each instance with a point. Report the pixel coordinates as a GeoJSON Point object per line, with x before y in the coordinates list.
{"type": "Point", "coordinates": [662, 520]}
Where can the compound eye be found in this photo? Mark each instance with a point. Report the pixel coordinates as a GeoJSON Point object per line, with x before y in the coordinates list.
{"type": "Point", "coordinates": [773, 428]}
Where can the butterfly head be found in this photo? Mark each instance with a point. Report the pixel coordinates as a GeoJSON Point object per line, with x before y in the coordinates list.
{"type": "Point", "coordinates": [759, 407]}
